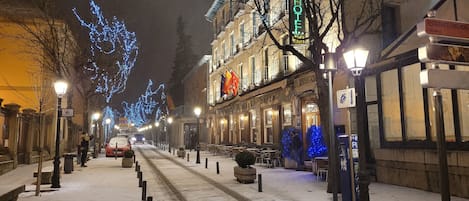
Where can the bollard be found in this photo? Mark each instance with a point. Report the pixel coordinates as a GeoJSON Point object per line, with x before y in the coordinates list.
{"type": "Point", "coordinates": [134, 157]}
{"type": "Point", "coordinates": [136, 164]}
{"type": "Point", "coordinates": [187, 157]}
{"type": "Point", "coordinates": [218, 168]}
{"type": "Point", "coordinates": [206, 163]}
{"type": "Point", "coordinates": [144, 190]}
{"type": "Point", "coordinates": [259, 182]}
{"type": "Point", "coordinates": [138, 168]}
{"type": "Point", "coordinates": [140, 179]}
{"type": "Point", "coordinates": [149, 198]}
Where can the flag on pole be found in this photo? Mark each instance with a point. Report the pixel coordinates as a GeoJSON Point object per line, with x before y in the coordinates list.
{"type": "Point", "coordinates": [228, 81]}
{"type": "Point", "coordinates": [235, 83]}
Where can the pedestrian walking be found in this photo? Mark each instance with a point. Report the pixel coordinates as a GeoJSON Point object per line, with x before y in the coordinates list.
{"type": "Point", "coordinates": [84, 145]}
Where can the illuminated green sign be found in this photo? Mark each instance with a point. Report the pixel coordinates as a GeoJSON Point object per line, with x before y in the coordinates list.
{"type": "Point", "coordinates": [297, 22]}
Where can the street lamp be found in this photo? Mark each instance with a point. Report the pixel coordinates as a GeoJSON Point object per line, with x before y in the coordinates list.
{"type": "Point", "coordinates": [356, 62]}
{"type": "Point", "coordinates": [169, 121]}
{"type": "Point", "coordinates": [95, 118]}
{"type": "Point", "coordinates": [157, 125]}
{"type": "Point", "coordinates": [330, 66]}
{"type": "Point", "coordinates": [197, 112]}
{"type": "Point", "coordinates": [60, 87]}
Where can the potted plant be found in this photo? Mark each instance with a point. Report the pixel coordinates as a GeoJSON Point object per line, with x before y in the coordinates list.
{"type": "Point", "coordinates": [181, 152]}
{"type": "Point", "coordinates": [292, 148]}
{"type": "Point", "coordinates": [127, 160]}
{"type": "Point", "coordinates": [244, 173]}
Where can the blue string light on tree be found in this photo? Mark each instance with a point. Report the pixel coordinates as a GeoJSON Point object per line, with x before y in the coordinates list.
{"type": "Point", "coordinates": [317, 147]}
{"type": "Point", "coordinates": [292, 146]}
{"type": "Point", "coordinates": [114, 41]}
{"type": "Point", "coordinates": [140, 111]}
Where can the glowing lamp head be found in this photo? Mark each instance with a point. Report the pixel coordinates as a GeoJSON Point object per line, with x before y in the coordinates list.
{"type": "Point", "coordinates": [60, 87]}
{"type": "Point", "coordinates": [197, 111]}
{"type": "Point", "coordinates": [170, 120]}
{"type": "Point", "coordinates": [95, 116]}
{"type": "Point", "coordinates": [356, 60]}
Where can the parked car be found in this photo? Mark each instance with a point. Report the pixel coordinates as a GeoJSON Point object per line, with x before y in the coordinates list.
{"type": "Point", "coordinates": [138, 139]}
{"type": "Point", "coordinates": [117, 146]}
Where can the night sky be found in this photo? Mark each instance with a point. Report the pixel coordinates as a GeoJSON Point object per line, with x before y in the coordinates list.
{"type": "Point", "coordinates": [154, 22]}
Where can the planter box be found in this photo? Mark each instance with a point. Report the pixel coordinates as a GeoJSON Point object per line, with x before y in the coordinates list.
{"type": "Point", "coordinates": [245, 175]}
{"type": "Point", "coordinates": [127, 162]}
{"type": "Point", "coordinates": [181, 154]}
{"type": "Point", "coordinates": [290, 164]}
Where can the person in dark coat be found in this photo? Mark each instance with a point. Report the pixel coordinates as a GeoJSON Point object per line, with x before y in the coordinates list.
{"type": "Point", "coordinates": [84, 145]}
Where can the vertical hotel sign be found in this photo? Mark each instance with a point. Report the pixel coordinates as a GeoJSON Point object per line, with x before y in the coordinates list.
{"type": "Point", "coordinates": [297, 22]}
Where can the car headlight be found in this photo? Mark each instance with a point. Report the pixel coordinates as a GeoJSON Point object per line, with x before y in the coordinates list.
{"type": "Point", "coordinates": [133, 139]}
{"type": "Point", "coordinates": [143, 139]}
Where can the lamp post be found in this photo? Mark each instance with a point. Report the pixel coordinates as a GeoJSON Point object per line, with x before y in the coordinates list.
{"type": "Point", "coordinates": [95, 118]}
{"type": "Point", "coordinates": [330, 66]}
{"type": "Point", "coordinates": [197, 112]}
{"type": "Point", "coordinates": [60, 87]}
{"type": "Point", "coordinates": [356, 62]}
{"type": "Point", "coordinates": [108, 123]}
{"type": "Point", "coordinates": [157, 133]}
{"type": "Point", "coordinates": [169, 121]}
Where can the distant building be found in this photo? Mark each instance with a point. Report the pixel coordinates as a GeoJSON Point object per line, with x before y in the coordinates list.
{"type": "Point", "coordinates": [184, 127]}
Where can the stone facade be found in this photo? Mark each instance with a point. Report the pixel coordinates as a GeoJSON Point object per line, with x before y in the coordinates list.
{"type": "Point", "coordinates": [419, 169]}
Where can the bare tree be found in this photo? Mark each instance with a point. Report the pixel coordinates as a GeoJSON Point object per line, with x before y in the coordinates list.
{"type": "Point", "coordinates": [341, 22]}
{"type": "Point", "coordinates": [50, 43]}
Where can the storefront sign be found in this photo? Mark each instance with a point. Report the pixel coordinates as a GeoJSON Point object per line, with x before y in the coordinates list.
{"type": "Point", "coordinates": [297, 22]}
{"type": "Point", "coordinates": [346, 98]}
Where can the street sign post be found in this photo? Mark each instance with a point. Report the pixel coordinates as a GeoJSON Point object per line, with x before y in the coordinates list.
{"type": "Point", "coordinates": [449, 33]}
{"type": "Point", "coordinates": [444, 29]}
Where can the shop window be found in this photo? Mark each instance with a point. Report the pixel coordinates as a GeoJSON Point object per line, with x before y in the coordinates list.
{"type": "Point", "coordinates": [254, 131]}
{"type": "Point", "coordinates": [268, 132]}
{"type": "Point", "coordinates": [463, 101]}
{"type": "Point", "coordinates": [370, 89]}
{"type": "Point", "coordinates": [373, 125]}
{"type": "Point", "coordinates": [413, 104]}
{"type": "Point", "coordinates": [287, 115]}
{"type": "Point", "coordinates": [390, 104]}
{"type": "Point", "coordinates": [447, 112]}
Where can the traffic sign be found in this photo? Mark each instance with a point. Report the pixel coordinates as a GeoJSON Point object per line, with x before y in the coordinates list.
{"type": "Point", "coordinates": [439, 28]}
{"type": "Point", "coordinates": [446, 54]}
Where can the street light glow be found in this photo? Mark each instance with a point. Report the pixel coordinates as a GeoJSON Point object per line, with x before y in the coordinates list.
{"type": "Point", "coordinates": [356, 60]}
{"type": "Point", "coordinates": [157, 124]}
{"type": "Point", "coordinates": [60, 87]}
{"type": "Point", "coordinates": [197, 111]}
{"type": "Point", "coordinates": [95, 116]}
{"type": "Point", "coordinates": [170, 120]}
{"type": "Point", "coordinates": [108, 121]}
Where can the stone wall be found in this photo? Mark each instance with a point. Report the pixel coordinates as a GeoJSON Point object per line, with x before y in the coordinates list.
{"type": "Point", "coordinates": [418, 168]}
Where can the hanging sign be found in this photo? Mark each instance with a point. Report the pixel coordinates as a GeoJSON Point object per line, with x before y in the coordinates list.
{"type": "Point", "coordinates": [297, 22]}
{"type": "Point", "coordinates": [346, 98]}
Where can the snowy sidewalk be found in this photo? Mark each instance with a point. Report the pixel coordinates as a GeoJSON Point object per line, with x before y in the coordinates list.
{"type": "Point", "coordinates": [103, 179]}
